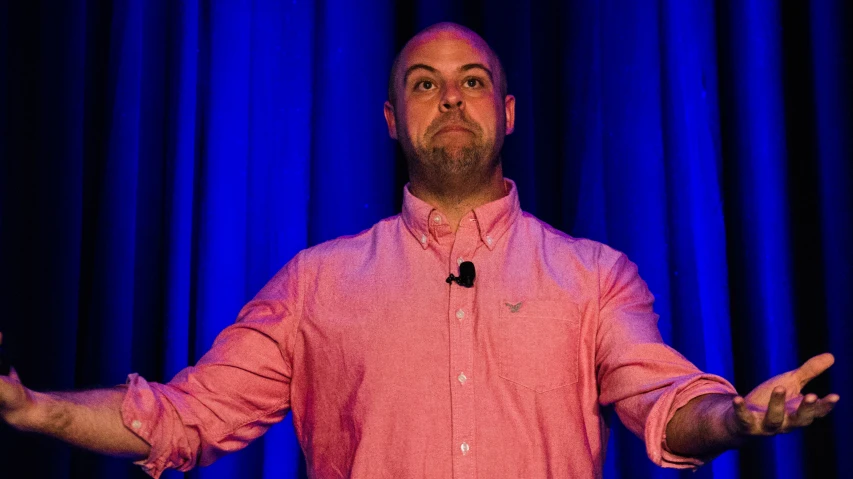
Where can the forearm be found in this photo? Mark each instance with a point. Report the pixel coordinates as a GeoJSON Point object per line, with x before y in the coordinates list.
{"type": "Point", "coordinates": [87, 419]}
{"type": "Point", "coordinates": [705, 426]}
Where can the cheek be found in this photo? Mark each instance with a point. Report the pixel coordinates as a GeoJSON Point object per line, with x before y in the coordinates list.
{"type": "Point", "coordinates": [417, 121]}
{"type": "Point", "coordinates": [485, 110]}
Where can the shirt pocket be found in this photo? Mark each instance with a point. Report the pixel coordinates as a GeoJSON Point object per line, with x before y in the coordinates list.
{"type": "Point", "coordinates": [538, 343]}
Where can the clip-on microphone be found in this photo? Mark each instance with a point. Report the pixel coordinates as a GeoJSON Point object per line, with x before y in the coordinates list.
{"type": "Point", "coordinates": [466, 275]}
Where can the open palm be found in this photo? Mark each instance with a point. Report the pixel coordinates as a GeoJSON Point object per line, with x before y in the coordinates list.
{"type": "Point", "coordinates": [778, 406]}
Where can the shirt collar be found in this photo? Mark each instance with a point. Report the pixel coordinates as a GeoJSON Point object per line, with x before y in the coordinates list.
{"type": "Point", "coordinates": [493, 218]}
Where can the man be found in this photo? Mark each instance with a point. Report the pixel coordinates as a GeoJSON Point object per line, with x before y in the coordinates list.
{"type": "Point", "coordinates": [392, 371]}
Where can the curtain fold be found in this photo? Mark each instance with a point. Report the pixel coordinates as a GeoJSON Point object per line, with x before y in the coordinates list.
{"type": "Point", "coordinates": [162, 160]}
{"type": "Point", "coordinates": [831, 67]}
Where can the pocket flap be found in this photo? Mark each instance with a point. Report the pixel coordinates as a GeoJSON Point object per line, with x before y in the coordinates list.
{"type": "Point", "coordinates": [541, 308]}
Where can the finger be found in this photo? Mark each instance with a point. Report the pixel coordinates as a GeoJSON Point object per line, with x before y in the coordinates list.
{"type": "Point", "coordinates": [775, 415]}
{"type": "Point", "coordinates": [814, 367]}
{"type": "Point", "coordinates": [824, 406]}
{"type": "Point", "coordinates": [14, 374]}
{"type": "Point", "coordinates": [805, 413]}
{"type": "Point", "coordinates": [742, 412]}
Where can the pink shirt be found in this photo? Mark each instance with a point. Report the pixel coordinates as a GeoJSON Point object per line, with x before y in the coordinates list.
{"type": "Point", "coordinates": [393, 373]}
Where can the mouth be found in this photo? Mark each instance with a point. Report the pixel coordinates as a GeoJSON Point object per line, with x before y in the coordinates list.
{"type": "Point", "coordinates": [452, 129]}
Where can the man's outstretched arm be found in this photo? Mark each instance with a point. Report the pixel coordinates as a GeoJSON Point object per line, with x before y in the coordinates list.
{"type": "Point", "coordinates": [713, 423]}
{"type": "Point", "coordinates": [87, 419]}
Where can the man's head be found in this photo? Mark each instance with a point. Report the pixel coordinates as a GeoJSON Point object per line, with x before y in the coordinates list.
{"type": "Point", "coordinates": [448, 106]}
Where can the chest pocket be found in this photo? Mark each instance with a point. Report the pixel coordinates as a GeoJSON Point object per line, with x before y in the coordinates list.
{"type": "Point", "coordinates": [538, 343]}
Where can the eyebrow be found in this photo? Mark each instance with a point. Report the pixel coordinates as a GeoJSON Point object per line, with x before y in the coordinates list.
{"type": "Point", "coordinates": [480, 66]}
{"type": "Point", "coordinates": [417, 66]}
{"type": "Point", "coordinates": [430, 69]}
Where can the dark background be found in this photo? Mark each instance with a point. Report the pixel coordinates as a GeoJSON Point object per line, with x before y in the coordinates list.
{"type": "Point", "coordinates": [161, 160]}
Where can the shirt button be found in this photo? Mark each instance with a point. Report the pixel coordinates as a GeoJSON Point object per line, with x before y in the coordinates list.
{"type": "Point", "coordinates": [465, 448]}
{"type": "Point", "coordinates": [437, 219]}
{"type": "Point", "coordinates": [136, 424]}
{"type": "Point", "coordinates": [462, 378]}
{"type": "Point", "coordinates": [423, 239]}
{"type": "Point", "coordinates": [489, 240]}
{"type": "Point", "coordinates": [460, 314]}
{"type": "Point", "coordinates": [459, 260]}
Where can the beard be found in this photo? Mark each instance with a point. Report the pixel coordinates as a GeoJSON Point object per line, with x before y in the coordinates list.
{"type": "Point", "coordinates": [470, 161]}
{"type": "Point", "coordinates": [453, 161]}
{"type": "Point", "coordinates": [451, 170]}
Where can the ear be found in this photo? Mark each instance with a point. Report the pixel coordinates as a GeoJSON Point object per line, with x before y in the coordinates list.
{"type": "Point", "coordinates": [390, 120]}
{"type": "Point", "coordinates": [509, 105]}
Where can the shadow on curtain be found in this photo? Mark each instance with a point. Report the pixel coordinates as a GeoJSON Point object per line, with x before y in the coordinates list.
{"type": "Point", "coordinates": [161, 160]}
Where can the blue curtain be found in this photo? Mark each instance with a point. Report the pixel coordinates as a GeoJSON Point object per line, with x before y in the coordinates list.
{"type": "Point", "coordinates": [161, 160]}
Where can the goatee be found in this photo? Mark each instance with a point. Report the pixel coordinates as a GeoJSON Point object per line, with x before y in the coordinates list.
{"type": "Point", "coordinates": [453, 161]}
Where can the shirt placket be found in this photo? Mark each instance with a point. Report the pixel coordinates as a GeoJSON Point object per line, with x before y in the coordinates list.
{"type": "Point", "coordinates": [461, 315]}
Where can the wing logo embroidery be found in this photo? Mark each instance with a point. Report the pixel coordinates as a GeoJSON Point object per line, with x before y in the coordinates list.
{"type": "Point", "coordinates": [513, 308]}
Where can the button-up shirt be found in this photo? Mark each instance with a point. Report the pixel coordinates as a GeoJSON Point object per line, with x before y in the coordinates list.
{"type": "Point", "coordinates": [392, 372]}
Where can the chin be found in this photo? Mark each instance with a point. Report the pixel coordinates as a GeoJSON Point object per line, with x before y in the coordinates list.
{"type": "Point", "coordinates": [457, 160]}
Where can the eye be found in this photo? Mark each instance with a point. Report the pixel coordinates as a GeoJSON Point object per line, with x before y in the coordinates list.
{"type": "Point", "coordinates": [473, 83]}
{"type": "Point", "coordinates": [424, 85]}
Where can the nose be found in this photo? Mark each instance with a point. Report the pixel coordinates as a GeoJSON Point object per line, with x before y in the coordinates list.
{"type": "Point", "coordinates": [451, 99]}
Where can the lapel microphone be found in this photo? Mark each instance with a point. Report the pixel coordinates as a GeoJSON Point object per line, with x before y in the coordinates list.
{"type": "Point", "coordinates": [466, 275]}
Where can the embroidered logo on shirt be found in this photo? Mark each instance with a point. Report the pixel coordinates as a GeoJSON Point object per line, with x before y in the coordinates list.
{"type": "Point", "coordinates": [513, 308]}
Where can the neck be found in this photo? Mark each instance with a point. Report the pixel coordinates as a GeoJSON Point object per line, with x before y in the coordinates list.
{"type": "Point", "coordinates": [457, 198]}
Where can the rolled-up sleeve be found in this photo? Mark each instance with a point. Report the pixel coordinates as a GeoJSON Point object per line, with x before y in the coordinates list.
{"type": "Point", "coordinates": [644, 380]}
{"type": "Point", "coordinates": [238, 389]}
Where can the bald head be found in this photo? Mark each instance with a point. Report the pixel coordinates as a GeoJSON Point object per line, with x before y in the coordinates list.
{"type": "Point", "coordinates": [396, 78]}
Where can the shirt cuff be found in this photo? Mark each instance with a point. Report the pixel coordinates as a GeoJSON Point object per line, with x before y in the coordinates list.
{"type": "Point", "coordinates": [664, 409]}
{"type": "Point", "coordinates": [143, 412]}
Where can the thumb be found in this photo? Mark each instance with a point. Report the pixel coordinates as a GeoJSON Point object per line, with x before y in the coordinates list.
{"type": "Point", "coordinates": [814, 367]}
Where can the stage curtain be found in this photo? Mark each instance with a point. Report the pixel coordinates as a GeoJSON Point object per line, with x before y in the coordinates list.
{"type": "Point", "coordinates": [161, 160]}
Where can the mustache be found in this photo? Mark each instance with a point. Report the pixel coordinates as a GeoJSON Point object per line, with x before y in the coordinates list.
{"type": "Point", "coordinates": [452, 119]}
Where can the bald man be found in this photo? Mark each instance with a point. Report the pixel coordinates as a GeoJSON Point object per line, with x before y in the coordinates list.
{"type": "Point", "coordinates": [462, 338]}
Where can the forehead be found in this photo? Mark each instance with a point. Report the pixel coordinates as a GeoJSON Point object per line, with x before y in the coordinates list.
{"type": "Point", "coordinates": [446, 48]}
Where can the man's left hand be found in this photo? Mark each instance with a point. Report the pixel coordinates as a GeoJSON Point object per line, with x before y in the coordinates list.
{"type": "Point", "coordinates": [777, 405]}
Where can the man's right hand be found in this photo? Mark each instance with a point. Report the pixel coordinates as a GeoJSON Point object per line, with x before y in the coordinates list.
{"type": "Point", "coordinates": [15, 399]}
{"type": "Point", "coordinates": [87, 419]}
